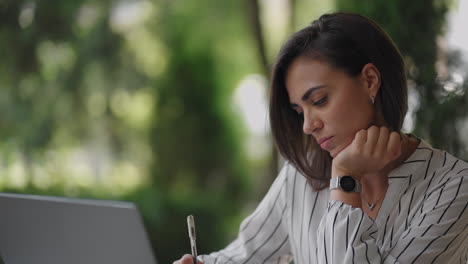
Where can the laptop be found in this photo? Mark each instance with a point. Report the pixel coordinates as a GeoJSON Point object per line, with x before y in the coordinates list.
{"type": "Point", "coordinates": [53, 230]}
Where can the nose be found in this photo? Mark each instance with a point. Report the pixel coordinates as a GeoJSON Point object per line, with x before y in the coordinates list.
{"type": "Point", "coordinates": [311, 124]}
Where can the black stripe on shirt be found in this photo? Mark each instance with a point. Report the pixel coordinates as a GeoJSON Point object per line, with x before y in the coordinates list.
{"type": "Point", "coordinates": [424, 148]}
{"type": "Point", "coordinates": [347, 231]}
{"type": "Point", "coordinates": [325, 244]}
{"type": "Point", "coordinates": [302, 216]}
{"type": "Point", "coordinates": [367, 248]}
{"type": "Point", "coordinates": [450, 204]}
{"type": "Point", "coordinates": [429, 227]}
{"type": "Point", "coordinates": [398, 177]}
{"type": "Point", "coordinates": [411, 241]}
{"type": "Point", "coordinates": [292, 209]}
{"type": "Point", "coordinates": [442, 186]}
{"type": "Point", "coordinates": [293, 198]}
{"type": "Point", "coordinates": [310, 221]}
{"type": "Point", "coordinates": [355, 234]}
{"type": "Point", "coordinates": [438, 198]}
{"type": "Point", "coordinates": [385, 228]}
{"type": "Point", "coordinates": [333, 231]}
{"type": "Point", "coordinates": [391, 237]}
{"type": "Point", "coordinates": [408, 231]}
{"type": "Point", "coordinates": [451, 169]}
{"type": "Point", "coordinates": [428, 164]}
{"type": "Point", "coordinates": [425, 192]}
{"type": "Point", "coordinates": [413, 161]}
{"type": "Point", "coordinates": [403, 195]}
{"type": "Point", "coordinates": [409, 208]}
{"type": "Point", "coordinates": [365, 243]}
{"type": "Point", "coordinates": [399, 207]}
{"type": "Point", "coordinates": [277, 249]}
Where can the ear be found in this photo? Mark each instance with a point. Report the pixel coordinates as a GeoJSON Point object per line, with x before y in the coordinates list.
{"type": "Point", "coordinates": [371, 78]}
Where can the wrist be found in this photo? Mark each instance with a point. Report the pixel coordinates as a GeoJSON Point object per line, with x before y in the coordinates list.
{"type": "Point", "coordinates": [345, 183]}
{"type": "Point", "coordinates": [352, 198]}
{"type": "Point", "coordinates": [345, 188]}
{"type": "Point", "coordinates": [337, 172]}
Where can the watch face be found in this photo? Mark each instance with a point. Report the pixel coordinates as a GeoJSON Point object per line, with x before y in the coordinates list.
{"type": "Point", "coordinates": [347, 183]}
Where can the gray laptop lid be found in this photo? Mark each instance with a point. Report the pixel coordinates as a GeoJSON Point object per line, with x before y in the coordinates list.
{"type": "Point", "coordinates": [51, 230]}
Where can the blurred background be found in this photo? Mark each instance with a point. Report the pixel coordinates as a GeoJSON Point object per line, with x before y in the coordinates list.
{"type": "Point", "coordinates": [164, 102]}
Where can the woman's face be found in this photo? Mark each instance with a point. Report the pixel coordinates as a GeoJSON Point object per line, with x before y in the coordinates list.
{"type": "Point", "coordinates": [334, 105]}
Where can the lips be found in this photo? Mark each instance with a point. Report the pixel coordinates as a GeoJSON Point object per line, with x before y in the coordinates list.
{"type": "Point", "coordinates": [324, 142]}
{"type": "Point", "coordinates": [321, 140]}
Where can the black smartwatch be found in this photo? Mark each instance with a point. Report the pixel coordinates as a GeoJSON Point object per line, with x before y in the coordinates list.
{"type": "Point", "coordinates": [345, 183]}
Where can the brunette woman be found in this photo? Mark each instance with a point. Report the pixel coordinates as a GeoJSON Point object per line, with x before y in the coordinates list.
{"type": "Point", "coordinates": [354, 188]}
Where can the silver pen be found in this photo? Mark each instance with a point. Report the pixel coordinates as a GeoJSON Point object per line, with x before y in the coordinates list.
{"type": "Point", "coordinates": [193, 238]}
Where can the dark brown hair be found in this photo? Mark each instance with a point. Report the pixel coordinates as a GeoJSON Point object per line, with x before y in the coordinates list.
{"type": "Point", "coordinates": [347, 42]}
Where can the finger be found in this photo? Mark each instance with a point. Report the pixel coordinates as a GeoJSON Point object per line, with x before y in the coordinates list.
{"type": "Point", "coordinates": [372, 138]}
{"type": "Point", "coordinates": [360, 138]}
{"type": "Point", "coordinates": [394, 145]}
{"type": "Point", "coordinates": [187, 259]}
{"type": "Point", "coordinates": [382, 142]}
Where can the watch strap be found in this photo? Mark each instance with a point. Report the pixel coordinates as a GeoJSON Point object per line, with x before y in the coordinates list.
{"type": "Point", "coordinates": [335, 183]}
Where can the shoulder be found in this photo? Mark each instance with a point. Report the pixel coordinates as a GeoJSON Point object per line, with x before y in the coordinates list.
{"type": "Point", "coordinates": [446, 166]}
{"type": "Point", "coordinates": [454, 175]}
{"type": "Point", "coordinates": [432, 172]}
{"type": "Point", "coordinates": [456, 166]}
{"type": "Point", "coordinates": [290, 174]}
{"type": "Point", "coordinates": [293, 177]}
{"type": "Point", "coordinates": [436, 161]}
{"type": "Point", "coordinates": [444, 172]}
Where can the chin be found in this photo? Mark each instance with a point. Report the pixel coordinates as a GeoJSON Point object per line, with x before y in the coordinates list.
{"type": "Point", "coordinates": [334, 152]}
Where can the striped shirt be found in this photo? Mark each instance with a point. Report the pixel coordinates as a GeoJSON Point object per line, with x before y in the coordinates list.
{"type": "Point", "coordinates": [423, 219]}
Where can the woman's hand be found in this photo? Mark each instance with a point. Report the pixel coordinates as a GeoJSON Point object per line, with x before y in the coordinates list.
{"type": "Point", "coordinates": [186, 259]}
{"type": "Point", "coordinates": [370, 152]}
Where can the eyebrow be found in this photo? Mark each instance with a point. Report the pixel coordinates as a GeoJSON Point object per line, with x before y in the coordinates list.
{"type": "Point", "coordinates": [308, 93]}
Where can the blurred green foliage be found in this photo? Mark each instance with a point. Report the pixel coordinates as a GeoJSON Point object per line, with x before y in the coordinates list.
{"type": "Point", "coordinates": [198, 164]}
{"type": "Point", "coordinates": [141, 90]}
{"type": "Point", "coordinates": [416, 27]}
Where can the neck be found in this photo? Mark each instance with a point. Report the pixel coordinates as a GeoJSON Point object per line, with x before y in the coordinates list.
{"type": "Point", "coordinates": [408, 146]}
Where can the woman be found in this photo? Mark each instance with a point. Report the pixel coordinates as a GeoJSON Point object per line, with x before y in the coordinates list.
{"type": "Point", "coordinates": [354, 189]}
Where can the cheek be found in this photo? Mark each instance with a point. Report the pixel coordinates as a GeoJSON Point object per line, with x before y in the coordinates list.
{"type": "Point", "coordinates": [350, 116]}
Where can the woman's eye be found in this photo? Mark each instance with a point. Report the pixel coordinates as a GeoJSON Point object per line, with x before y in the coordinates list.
{"type": "Point", "coordinates": [321, 101]}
